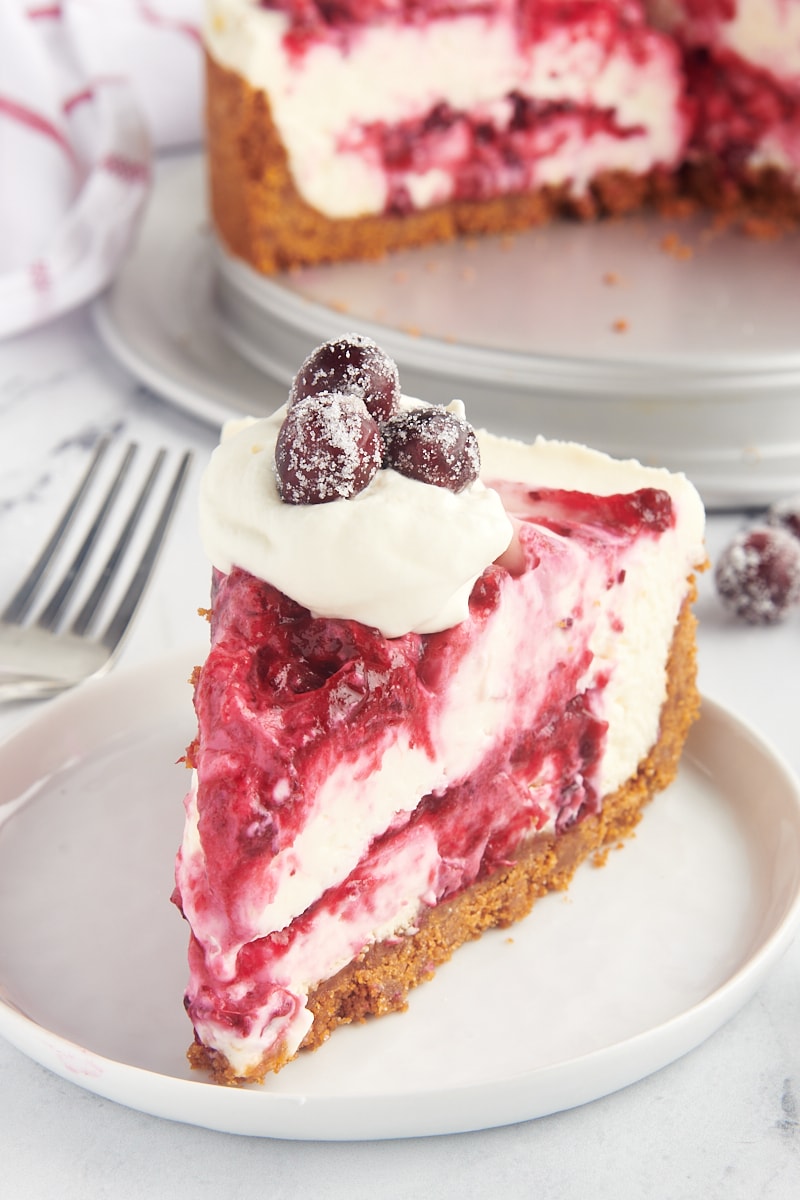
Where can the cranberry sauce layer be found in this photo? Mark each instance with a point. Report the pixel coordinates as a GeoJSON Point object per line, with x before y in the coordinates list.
{"type": "Point", "coordinates": [485, 158]}
{"type": "Point", "coordinates": [346, 779]}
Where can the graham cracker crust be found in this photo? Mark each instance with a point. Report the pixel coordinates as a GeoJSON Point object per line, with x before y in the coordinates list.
{"type": "Point", "coordinates": [379, 981]}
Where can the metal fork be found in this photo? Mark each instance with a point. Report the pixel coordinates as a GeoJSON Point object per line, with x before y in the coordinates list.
{"type": "Point", "coordinates": [41, 658]}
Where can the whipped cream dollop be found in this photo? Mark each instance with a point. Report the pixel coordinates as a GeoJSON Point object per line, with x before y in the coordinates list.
{"type": "Point", "coordinates": [401, 555]}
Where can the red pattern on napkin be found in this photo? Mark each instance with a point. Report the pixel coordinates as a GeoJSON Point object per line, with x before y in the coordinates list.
{"type": "Point", "coordinates": [87, 89]}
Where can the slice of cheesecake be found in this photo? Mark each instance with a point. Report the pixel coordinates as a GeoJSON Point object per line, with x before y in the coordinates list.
{"type": "Point", "coordinates": [422, 707]}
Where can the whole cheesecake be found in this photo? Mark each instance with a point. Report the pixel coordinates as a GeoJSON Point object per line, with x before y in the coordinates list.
{"type": "Point", "coordinates": [349, 129]}
{"type": "Point", "coordinates": [442, 672]}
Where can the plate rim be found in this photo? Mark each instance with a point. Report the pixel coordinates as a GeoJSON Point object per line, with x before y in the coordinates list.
{"type": "Point", "coordinates": [364, 1116]}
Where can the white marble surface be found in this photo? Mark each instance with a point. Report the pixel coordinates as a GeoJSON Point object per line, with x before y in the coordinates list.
{"type": "Point", "coordinates": [723, 1122]}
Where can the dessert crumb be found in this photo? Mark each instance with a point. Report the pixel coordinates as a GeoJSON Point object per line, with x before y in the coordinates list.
{"type": "Point", "coordinates": [611, 278]}
{"type": "Point", "coordinates": [762, 229]}
{"type": "Point", "coordinates": [620, 325]}
{"type": "Point", "coordinates": [671, 244]}
{"type": "Point", "coordinates": [340, 306]}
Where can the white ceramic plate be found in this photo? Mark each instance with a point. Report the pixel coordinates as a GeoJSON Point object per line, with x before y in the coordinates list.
{"type": "Point", "coordinates": [634, 966]}
{"type": "Point", "coordinates": [705, 378]}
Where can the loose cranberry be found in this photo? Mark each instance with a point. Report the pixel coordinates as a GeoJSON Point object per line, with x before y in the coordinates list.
{"type": "Point", "coordinates": [434, 446]}
{"type": "Point", "coordinates": [356, 366]}
{"type": "Point", "coordinates": [786, 514]}
{"type": "Point", "coordinates": [758, 574]}
{"type": "Point", "coordinates": [328, 448]}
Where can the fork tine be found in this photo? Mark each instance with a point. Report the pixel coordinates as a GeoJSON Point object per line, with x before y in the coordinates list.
{"type": "Point", "coordinates": [109, 572]}
{"type": "Point", "coordinates": [20, 603]}
{"type": "Point", "coordinates": [52, 614]}
{"type": "Point", "coordinates": [122, 618]}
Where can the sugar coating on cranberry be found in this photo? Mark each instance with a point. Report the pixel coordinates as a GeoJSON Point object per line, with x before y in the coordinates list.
{"type": "Point", "coordinates": [786, 514]}
{"type": "Point", "coordinates": [434, 446]}
{"type": "Point", "coordinates": [355, 366]}
{"type": "Point", "coordinates": [328, 448]}
{"type": "Point", "coordinates": [757, 575]}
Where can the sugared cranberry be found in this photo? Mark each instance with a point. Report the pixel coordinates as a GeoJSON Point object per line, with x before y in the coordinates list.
{"type": "Point", "coordinates": [786, 514]}
{"type": "Point", "coordinates": [356, 366]}
{"type": "Point", "coordinates": [434, 446]}
{"type": "Point", "coordinates": [758, 574]}
{"type": "Point", "coordinates": [328, 448]}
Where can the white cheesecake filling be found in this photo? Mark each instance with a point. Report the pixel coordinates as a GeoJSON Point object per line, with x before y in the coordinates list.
{"type": "Point", "coordinates": [326, 98]}
{"type": "Point", "coordinates": [656, 582]}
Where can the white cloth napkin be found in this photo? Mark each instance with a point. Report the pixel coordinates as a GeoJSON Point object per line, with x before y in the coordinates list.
{"type": "Point", "coordinates": [88, 89]}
